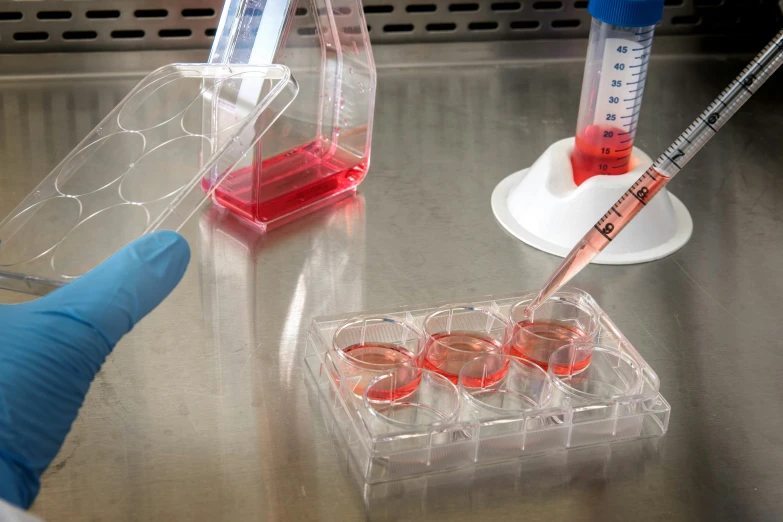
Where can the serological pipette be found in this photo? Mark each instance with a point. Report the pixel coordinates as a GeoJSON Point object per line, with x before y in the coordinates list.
{"type": "Point", "coordinates": [679, 153]}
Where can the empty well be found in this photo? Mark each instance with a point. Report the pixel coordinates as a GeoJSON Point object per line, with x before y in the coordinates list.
{"type": "Point", "coordinates": [99, 164]}
{"type": "Point", "coordinates": [37, 229]}
{"type": "Point", "coordinates": [162, 100]}
{"type": "Point", "coordinates": [165, 170]}
{"type": "Point", "coordinates": [434, 402]}
{"type": "Point", "coordinates": [611, 374]}
{"type": "Point", "coordinates": [523, 386]}
{"type": "Point", "coordinates": [105, 232]}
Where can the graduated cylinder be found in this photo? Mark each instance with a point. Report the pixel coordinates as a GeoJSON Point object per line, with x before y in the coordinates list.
{"type": "Point", "coordinates": [621, 38]}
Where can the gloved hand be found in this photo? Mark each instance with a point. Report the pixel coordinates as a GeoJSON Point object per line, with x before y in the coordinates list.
{"type": "Point", "coordinates": [51, 349]}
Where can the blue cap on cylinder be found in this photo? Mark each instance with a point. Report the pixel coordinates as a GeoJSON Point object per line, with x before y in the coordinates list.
{"type": "Point", "coordinates": [628, 13]}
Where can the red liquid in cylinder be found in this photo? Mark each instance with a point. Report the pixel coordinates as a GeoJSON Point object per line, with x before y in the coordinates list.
{"type": "Point", "coordinates": [536, 341]}
{"type": "Point", "coordinates": [447, 353]}
{"type": "Point", "coordinates": [369, 360]}
{"type": "Point", "coordinates": [600, 150]}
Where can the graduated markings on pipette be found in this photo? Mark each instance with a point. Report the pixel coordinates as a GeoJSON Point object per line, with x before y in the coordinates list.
{"type": "Point", "coordinates": [698, 133]}
{"type": "Point", "coordinates": [639, 191]}
{"type": "Point", "coordinates": [718, 112]}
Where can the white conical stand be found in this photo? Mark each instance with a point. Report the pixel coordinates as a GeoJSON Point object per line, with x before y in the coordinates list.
{"type": "Point", "coordinates": [543, 207]}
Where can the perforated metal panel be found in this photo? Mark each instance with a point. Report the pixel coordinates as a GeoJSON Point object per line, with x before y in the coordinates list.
{"type": "Point", "coordinates": [69, 25]}
{"type": "Point", "coordinates": [63, 25]}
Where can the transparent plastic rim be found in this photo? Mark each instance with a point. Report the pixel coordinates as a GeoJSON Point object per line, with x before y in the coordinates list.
{"type": "Point", "coordinates": [634, 387]}
{"type": "Point", "coordinates": [149, 90]}
{"type": "Point", "coordinates": [61, 169]}
{"type": "Point", "coordinates": [379, 318]}
{"type": "Point", "coordinates": [53, 260]}
{"type": "Point", "coordinates": [125, 175]}
{"type": "Point", "coordinates": [213, 89]}
{"type": "Point", "coordinates": [566, 295]}
{"type": "Point", "coordinates": [372, 404]}
{"type": "Point", "coordinates": [30, 207]}
{"type": "Point", "coordinates": [465, 307]}
{"type": "Point", "coordinates": [465, 391]}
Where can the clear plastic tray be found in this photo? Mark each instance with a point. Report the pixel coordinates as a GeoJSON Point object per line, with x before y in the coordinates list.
{"type": "Point", "coordinates": [140, 169]}
{"type": "Point", "coordinates": [461, 433]}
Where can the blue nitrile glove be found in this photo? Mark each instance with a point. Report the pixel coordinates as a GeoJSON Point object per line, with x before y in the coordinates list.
{"type": "Point", "coordinates": [51, 349]}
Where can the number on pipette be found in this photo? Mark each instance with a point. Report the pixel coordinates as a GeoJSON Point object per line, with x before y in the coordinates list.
{"type": "Point", "coordinates": [659, 174]}
{"type": "Point", "coordinates": [631, 202]}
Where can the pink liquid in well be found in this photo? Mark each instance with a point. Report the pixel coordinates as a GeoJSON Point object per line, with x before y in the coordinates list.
{"type": "Point", "coordinates": [536, 341]}
{"type": "Point", "coordinates": [369, 360]}
{"type": "Point", "coordinates": [447, 353]}
{"type": "Point", "coordinates": [601, 150]}
{"type": "Point", "coordinates": [276, 187]}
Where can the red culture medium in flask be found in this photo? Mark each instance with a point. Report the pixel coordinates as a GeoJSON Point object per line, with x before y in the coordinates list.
{"type": "Point", "coordinates": [278, 186]}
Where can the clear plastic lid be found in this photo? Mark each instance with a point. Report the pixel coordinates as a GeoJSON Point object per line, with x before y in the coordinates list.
{"type": "Point", "coordinates": [140, 169]}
